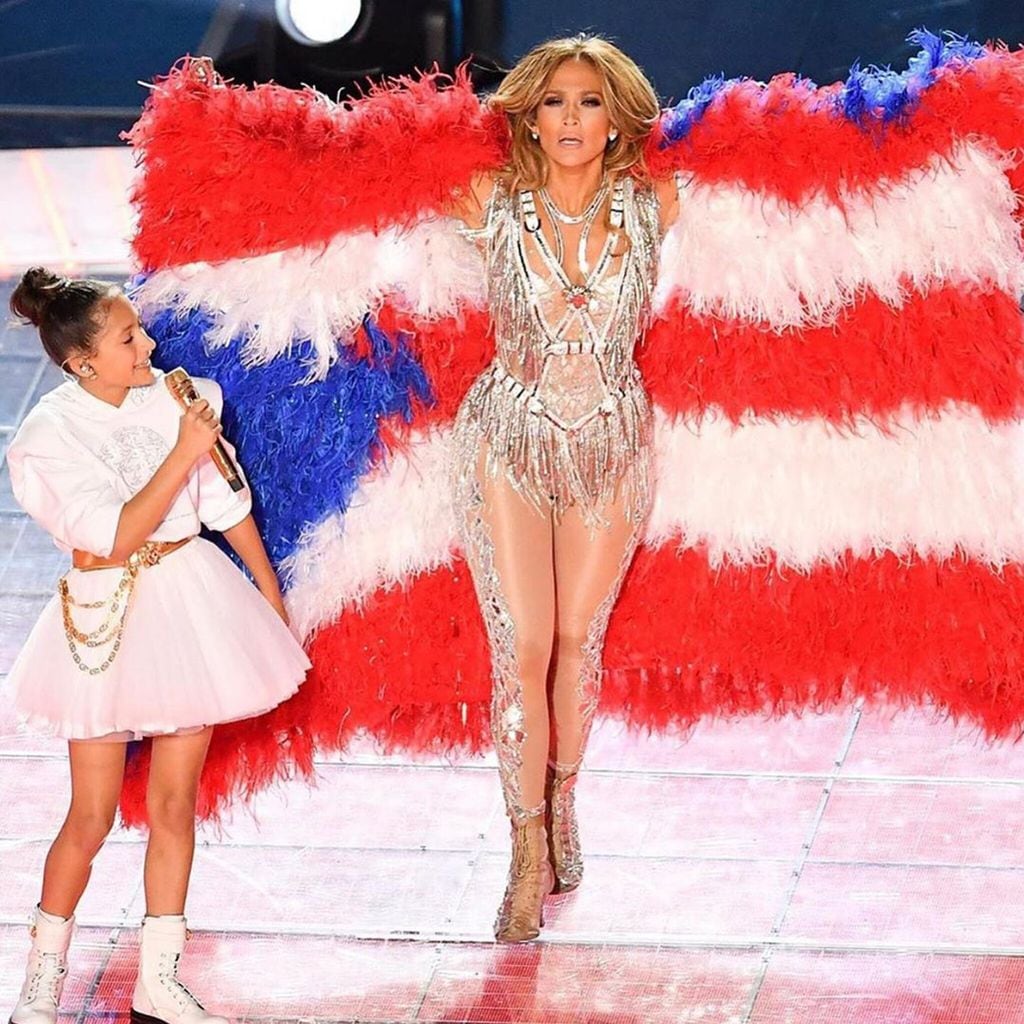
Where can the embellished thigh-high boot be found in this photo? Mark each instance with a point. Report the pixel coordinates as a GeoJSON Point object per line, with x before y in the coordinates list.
{"type": "Point", "coordinates": [521, 914]}
{"type": "Point", "coordinates": [563, 828]}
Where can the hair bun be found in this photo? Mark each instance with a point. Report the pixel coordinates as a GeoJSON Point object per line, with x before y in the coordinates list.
{"type": "Point", "coordinates": [35, 294]}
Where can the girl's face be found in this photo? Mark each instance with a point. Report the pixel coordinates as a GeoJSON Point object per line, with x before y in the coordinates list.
{"type": "Point", "coordinates": [120, 356]}
{"type": "Point", "coordinates": [572, 118]}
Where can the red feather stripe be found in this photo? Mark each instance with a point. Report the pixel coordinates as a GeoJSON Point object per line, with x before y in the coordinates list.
{"type": "Point", "coordinates": [946, 345]}
{"type": "Point", "coordinates": [687, 640]}
{"type": "Point", "coordinates": [231, 172]}
{"type": "Point", "coordinates": [785, 138]}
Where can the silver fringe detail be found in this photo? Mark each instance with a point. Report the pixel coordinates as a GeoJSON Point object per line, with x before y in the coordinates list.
{"type": "Point", "coordinates": [553, 467]}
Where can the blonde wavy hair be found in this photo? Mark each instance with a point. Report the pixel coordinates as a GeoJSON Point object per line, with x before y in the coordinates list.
{"type": "Point", "coordinates": [630, 99]}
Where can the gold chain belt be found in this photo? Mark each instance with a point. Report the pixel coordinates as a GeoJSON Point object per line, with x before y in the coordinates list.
{"type": "Point", "coordinates": [112, 628]}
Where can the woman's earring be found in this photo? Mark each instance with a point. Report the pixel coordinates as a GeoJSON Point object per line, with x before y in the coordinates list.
{"type": "Point", "coordinates": [535, 135]}
{"type": "Point", "coordinates": [612, 136]}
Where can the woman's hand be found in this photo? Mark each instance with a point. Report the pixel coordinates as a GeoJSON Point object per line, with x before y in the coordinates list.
{"type": "Point", "coordinates": [198, 430]}
{"type": "Point", "coordinates": [469, 204]}
{"type": "Point", "coordinates": [667, 192]}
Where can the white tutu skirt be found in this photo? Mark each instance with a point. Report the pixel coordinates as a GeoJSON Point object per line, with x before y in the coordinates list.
{"type": "Point", "coordinates": [200, 647]}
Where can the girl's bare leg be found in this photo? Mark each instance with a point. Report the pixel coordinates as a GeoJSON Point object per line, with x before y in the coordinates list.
{"type": "Point", "coordinates": [97, 769]}
{"type": "Point", "coordinates": [171, 804]}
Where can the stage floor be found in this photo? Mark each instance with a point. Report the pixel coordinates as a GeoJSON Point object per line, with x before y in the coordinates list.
{"type": "Point", "coordinates": [863, 867]}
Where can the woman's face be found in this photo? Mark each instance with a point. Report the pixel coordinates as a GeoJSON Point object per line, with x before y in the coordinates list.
{"type": "Point", "coordinates": [121, 351]}
{"type": "Point", "coordinates": [572, 119]}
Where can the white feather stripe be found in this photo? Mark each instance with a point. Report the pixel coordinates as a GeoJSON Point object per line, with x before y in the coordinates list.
{"type": "Point", "coordinates": [322, 294]}
{"type": "Point", "coordinates": [733, 253]}
{"type": "Point", "coordinates": [800, 491]}
{"type": "Point", "coordinates": [746, 255]}
{"type": "Point", "coordinates": [805, 492]}
{"type": "Point", "coordinates": [400, 523]}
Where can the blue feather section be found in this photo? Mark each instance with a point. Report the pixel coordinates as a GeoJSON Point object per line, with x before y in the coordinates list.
{"type": "Point", "coordinates": [304, 446]}
{"type": "Point", "coordinates": [871, 95]}
{"type": "Point", "coordinates": [883, 95]}
{"type": "Point", "coordinates": [678, 120]}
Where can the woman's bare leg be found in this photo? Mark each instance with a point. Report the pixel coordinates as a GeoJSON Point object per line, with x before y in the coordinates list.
{"type": "Point", "coordinates": [509, 548]}
{"type": "Point", "coordinates": [590, 564]}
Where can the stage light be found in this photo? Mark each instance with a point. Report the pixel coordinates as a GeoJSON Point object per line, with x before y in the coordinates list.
{"type": "Point", "coordinates": [318, 22]}
{"type": "Point", "coordinates": [337, 46]}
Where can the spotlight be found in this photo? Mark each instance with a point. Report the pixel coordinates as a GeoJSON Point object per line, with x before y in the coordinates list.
{"type": "Point", "coordinates": [337, 45]}
{"type": "Point", "coordinates": [318, 22]}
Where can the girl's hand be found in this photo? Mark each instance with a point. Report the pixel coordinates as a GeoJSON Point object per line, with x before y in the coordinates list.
{"type": "Point", "coordinates": [277, 603]}
{"type": "Point", "coordinates": [246, 541]}
{"type": "Point", "coordinates": [198, 430]}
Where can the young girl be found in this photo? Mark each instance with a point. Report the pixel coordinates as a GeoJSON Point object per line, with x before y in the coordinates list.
{"type": "Point", "coordinates": [154, 631]}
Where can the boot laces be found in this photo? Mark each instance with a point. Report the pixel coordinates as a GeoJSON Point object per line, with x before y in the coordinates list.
{"type": "Point", "coordinates": [520, 859]}
{"type": "Point", "coordinates": [49, 970]}
{"type": "Point", "coordinates": [183, 998]}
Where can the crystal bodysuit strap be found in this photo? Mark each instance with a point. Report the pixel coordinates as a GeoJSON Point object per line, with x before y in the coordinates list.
{"type": "Point", "coordinates": [531, 219]}
{"type": "Point", "coordinates": [586, 346]}
{"type": "Point", "coordinates": [577, 295]}
{"type": "Point", "coordinates": [617, 211]}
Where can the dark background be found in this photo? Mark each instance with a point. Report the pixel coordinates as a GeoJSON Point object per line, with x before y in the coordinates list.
{"type": "Point", "coordinates": [69, 68]}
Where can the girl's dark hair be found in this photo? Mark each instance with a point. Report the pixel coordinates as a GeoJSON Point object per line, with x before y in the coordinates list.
{"type": "Point", "coordinates": [63, 308]}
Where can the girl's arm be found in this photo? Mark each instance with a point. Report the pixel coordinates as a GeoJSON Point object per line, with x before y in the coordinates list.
{"type": "Point", "coordinates": [248, 545]}
{"type": "Point", "coordinates": [141, 515]}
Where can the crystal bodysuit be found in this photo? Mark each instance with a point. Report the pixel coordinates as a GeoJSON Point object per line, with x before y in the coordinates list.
{"type": "Point", "coordinates": [562, 409]}
{"type": "Point", "coordinates": [561, 415]}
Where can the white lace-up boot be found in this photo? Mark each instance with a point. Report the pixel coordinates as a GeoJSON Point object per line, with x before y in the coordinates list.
{"type": "Point", "coordinates": [159, 997]}
{"type": "Point", "coordinates": [47, 966]}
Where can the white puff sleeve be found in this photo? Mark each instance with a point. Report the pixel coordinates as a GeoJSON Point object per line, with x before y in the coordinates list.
{"type": "Point", "coordinates": [66, 491]}
{"type": "Point", "coordinates": [220, 508]}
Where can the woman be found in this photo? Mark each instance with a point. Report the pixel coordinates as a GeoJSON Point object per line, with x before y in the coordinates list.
{"type": "Point", "coordinates": [553, 441]}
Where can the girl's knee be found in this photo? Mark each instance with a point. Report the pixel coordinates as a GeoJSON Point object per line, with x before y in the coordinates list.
{"type": "Point", "coordinates": [88, 828]}
{"type": "Point", "coordinates": [172, 812]}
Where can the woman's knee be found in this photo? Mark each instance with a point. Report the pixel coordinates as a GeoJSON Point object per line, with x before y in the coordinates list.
{"type": "Point", "coordinates": [570, 647]}
{"type": "Point", "coordinates": [533, 659]}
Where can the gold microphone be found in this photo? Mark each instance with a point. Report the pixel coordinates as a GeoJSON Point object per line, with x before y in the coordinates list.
{"type": "Point", "coordinates": [180, 385]}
